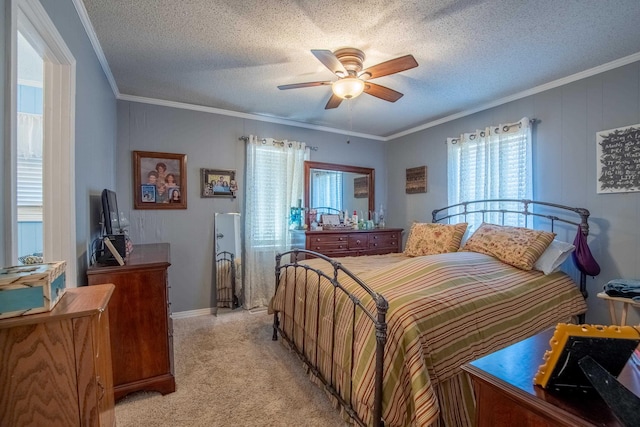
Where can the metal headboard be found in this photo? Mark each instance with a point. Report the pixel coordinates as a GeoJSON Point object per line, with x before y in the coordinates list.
{"type": "Point", "coordinates": [582, 212]}
{"type": "Point", "coordinates": [479, 207]}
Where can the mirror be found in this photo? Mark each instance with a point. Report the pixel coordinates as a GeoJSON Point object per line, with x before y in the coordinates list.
{"type": "Point", "coordinates": [339, 187]}
{"type": "Point", "coordinates": [227, 289]}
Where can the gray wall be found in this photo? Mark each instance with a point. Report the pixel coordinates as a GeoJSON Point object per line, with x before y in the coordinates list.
{"type": "Point", "coordinates": [564, 159]}
{"type": "Point", "coordinates": [209, 141]}
{"type": "Point", "coordinates": [95, 138]}
{"type": "Point", "coordinates": [3, 67]}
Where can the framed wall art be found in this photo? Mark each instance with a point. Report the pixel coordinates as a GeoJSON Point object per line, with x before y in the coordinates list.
{"type": "Point", "coordinates": [159, 180]}
{"type": "Point", "coordinates": [618, 159]}
{"type": "Point", "coordinates": [416, 180]}
{"type": "Point", "coordinates": [361, 187]}
{"type": "Point", "coordinates": [218, 183]}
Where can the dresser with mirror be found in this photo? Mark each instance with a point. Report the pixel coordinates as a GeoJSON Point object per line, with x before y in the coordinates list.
{"type": "Point", "coordinates": [333, 188]}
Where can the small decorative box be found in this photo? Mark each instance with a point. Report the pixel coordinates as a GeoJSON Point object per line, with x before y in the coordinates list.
{"type": "Point", "coordinates": [30, 289]}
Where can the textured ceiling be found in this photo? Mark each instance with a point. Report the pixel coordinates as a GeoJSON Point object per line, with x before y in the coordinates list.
{"type": "Point", "coordinates": [232, 54]}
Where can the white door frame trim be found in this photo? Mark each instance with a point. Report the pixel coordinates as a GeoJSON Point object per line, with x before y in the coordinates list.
{"type": "Point", "coordinates": [59, 223]}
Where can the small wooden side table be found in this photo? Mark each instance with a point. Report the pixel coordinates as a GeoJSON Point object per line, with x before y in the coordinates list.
{"type": "Point", "coordinates": [626, 302]}
{"type": "Point", "coordinates": [505, 394]}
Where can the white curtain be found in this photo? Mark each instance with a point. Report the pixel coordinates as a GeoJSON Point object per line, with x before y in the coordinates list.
{"type": "Point", "coordinates": [274, 183]}
{"type": "Point", "coordinates": [327, 189]}
{"type": "Point", "coordinates": [494, 163]}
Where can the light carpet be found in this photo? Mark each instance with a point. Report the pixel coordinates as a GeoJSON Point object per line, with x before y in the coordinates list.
{"type": "Point", "coordinates": [230, 373]}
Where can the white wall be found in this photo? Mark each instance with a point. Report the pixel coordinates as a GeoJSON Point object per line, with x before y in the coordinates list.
{"type": "Point", "coordinates": [564, 153]}
{"type": "Point", "coordinates": [209, 141]}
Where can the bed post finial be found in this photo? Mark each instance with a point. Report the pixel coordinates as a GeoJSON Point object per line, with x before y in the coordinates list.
{"type": "Point", "coordinates": [381, 339]}
{"type": "Point", "coordinates": [276, 322]}
{"type": "Point", "coordinates": [584, 223]}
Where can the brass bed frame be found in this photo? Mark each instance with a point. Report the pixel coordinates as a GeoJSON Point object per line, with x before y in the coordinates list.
{"type": "Point", "coordinates": [378, 318]}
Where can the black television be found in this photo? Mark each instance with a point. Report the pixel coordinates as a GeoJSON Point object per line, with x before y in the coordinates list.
{"type": "Point", "coordinates": [110, 212]}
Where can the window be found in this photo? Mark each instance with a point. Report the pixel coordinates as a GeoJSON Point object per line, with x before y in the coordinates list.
{"type": "Point", "coordinates": [29, 149]}
{"type": "Point", "coordinates": [42, 139]}
{"type": "Point", "coordinates": [270, 204]}
{"type": "Point", "coordinates": [494, 163]}
{"type": "Point", "coordinates": [274, 184]}
{"type": "Point", "coordinates": [327, 189]}
{"type": "Point", "coordinates": [275, 177]}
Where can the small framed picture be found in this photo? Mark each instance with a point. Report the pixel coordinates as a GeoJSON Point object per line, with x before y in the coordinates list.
{"type": "Point", "coordinates": [159, 180]}
{"type": "Point", "coordinates": [330, 219]}
{"type": "Point", "coordinates": [148, 193]}
{"type": "Point", "coordinates": [416, 180]}
{"type": "Point", "coordinates": [361, 187]}
{"type": "Point", "coordinates": [218, 183]}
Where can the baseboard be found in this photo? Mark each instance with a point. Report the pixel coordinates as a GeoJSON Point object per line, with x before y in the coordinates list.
{"type": "Point", "coordinates": [211, 310]}
{"type": "Point", "coordinates": [192, 313]}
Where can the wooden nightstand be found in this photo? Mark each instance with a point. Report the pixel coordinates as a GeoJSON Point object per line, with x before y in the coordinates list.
{"type": "Point", "coordinates": [506, 396]}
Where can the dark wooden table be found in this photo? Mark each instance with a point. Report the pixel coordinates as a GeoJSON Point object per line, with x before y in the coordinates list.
{"type": "Point", "coordinates": [506, 396]}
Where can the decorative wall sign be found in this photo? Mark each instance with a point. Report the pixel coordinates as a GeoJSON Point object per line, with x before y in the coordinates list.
{"type": "Point", "coordinates": [416, 180]}
{"type": "Point", "coordinates": [159, 180]}
{"type": "Point", "coordinates": [361, 187]}
{"type": "Point", "coordinates": [618, 159]}
{"type": "Point", "coordinates": [218, 183]}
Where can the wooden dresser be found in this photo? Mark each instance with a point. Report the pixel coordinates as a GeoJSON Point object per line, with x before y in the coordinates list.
{"type": "Point", "coordinates": [141, 326]}
{"type": "Point", "coordinates": [55, 367]}
{"type": "Point", "coordinates": [354, 242]}
{"type": "Point", "coordinates": [506, 396]}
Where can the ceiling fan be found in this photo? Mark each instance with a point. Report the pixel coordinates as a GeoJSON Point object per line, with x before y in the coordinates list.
{"type": "Point", "coordinates": [346, 64]}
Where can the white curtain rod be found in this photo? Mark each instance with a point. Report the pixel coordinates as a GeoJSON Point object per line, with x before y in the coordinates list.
{"type": "Point", "coordinates": [264, 141]}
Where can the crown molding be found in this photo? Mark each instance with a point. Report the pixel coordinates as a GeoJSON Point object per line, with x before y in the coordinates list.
{"type": "Point", "coordinates": [86, 22]}
{"type": "Point", "coordinates": [551, 85]}
{"type": "Point", "coordinates": [212, 110]}
{"type": "Point", "coordinates": [97, 48]}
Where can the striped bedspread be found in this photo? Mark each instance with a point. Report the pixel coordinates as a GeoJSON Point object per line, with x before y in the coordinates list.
{"type": "Point", "coordinates": [444, 311]}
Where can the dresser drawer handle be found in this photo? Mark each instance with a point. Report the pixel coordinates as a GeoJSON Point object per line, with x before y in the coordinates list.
{"type": "Point", "coordinates": [375, 244]}
{"type": "Point", "coordinates": [340, 247]}
{"type": "Point", "coordinates": [357, 242]}
{"type": "Point", "coordinates": [375, 237]}
{"type": "Point", "coordinates": [317, 248]}
{"type": "Point", "coordinates": [317, 239]}
{"type": "Point", "coordinates": [341, 238]}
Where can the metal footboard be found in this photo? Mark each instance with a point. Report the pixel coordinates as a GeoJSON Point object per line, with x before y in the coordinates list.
{"type": "Point", "coordinates": [378, 319]}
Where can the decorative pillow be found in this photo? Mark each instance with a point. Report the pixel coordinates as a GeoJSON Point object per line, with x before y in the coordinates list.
{"type": "Point", "coordinates": [430, 238]}
{"type": "Point", "coordinates": [516, 246]}
{"type": "Point", "coordinates": [551, 259]}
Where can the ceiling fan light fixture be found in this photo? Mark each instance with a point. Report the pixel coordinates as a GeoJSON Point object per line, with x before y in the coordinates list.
{"type": "Point", "coordinates": [347, 88]}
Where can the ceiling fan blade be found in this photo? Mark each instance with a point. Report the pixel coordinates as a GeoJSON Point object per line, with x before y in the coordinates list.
{"type": "Point", "coordinates": [382, 92]}
{"type": "Point", "coordinates": [330, 61]}
{"type": "Point", "coordinates": [298, 85]}
{"type": "Point", "coordinates": [389, 67]}
{"type": "Point", "coordinates": [334, 102]}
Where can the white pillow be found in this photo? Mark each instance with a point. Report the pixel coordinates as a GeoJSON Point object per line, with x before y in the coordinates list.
{"type": "Point", "coordinates": [555, 254]}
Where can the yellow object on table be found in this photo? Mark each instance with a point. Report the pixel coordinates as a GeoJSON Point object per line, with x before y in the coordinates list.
{"type": "Point", "coordinates": [626, 302]}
